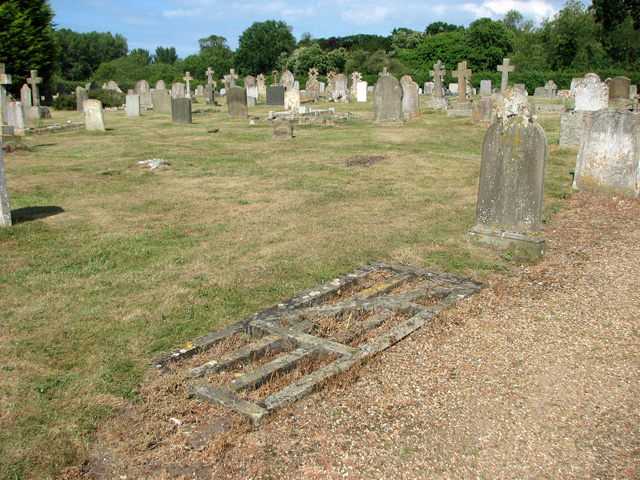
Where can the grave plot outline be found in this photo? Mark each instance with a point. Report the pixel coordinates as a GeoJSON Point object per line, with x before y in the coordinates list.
{"type": "Point", "coordinates": [409, 296]}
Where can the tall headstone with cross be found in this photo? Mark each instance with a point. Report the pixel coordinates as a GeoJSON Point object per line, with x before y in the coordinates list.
{"type": "Point", "coordinates": [505, 68]}
{"type": "Point", "coordinates": [36, 111]}
{"type": "Point", "coordinates": [331, 75]}
{"type": "Point", "coordinates": [463, 73]}
{"type": "Point", "coordinates": [355, 78]}
{"type": "Point", "coordinates": [275, 78]}
{"type": "Point", "coordinates": [209, 92]}
{"type": "Point", "coordinates": [262, 86]}
{"type": "Point", "coordinates": [230, 80]}
{"type": "Point", "coordinates": [438, 100]}
{"type": "Point", "coordinates": [312, 87]}
{"type": "Point", "coordinates": [187, 78]}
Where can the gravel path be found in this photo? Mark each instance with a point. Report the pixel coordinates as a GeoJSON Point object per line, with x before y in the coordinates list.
{"type": "Point", "coordinates": [534, 377]}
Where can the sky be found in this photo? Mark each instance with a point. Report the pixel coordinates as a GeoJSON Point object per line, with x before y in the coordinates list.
{"type": "Point", "coordinates": [181, 23]}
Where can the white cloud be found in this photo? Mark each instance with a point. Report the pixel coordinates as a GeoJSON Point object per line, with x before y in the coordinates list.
{"type": "Point", "coordinates": [182, 13]}
{"type": "Point", "coordinates": [364, 16]}
{"type": "Point", "coordinates": [535, 9]}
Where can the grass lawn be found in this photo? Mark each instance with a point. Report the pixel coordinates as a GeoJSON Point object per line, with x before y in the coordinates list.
{"type": "Point", "coordinates": [131, 262]}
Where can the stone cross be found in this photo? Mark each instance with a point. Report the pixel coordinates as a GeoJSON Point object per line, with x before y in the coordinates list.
{"type": "Point", "coordinates": [384, 71]}
{"type": "Point", "coordinates": [505, 68]}
{"type": "Point", "coordinates": [230, 80]}
{"type": "Point", "coordinates": [313, 73]}
{"type": "Point", "coordinates": [462, 73]}
{"type": "Point", "coordinates": [187, 78]}
{"type": "Point", "coordinates": [210, 73]}
{"type": "Point", "coordinates": [438, 73]}
{"type": "Point", "coordinates": [4, 80]}
{"type": "Point", "coordinates": [34, 81]}
{"type": "Point", "coordinates": [275, 76]}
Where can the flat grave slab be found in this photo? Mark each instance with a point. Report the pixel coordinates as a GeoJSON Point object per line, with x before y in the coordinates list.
{"type": "Point", "coordinates": [280, 355]}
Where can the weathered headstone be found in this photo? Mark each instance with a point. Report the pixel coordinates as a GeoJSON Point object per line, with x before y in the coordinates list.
{"type": "Point", "coordinates": [551, 89]}
{"type": "Point", "coordinates": [160, 85]}
{"type": "Point", "coordinates": [522, 87]}
{"type": "Point", "coordinates": [5, 208]}
{"type": "Point", "coordinates": [410, 98]}
{"type": "Point", "coordinates": [237, 103]}
{"type": "Point", "coordinates": [485, 109]}
{"type": "Point", "coordinates": [275, 74]}
{"type": "Point", "coordinates": [253, 91]}
{"type": "Point", "coordinates": [93, 115]}
{"type": "Point", "coordinates": [312, 87]}
{"type": "Point", "coordinates": [428, 88]}
{"type": "Point", "coordinates": [5, 79]}
{"type": "Point", "coordinates": [462, 107]}
{"type": "Point", "coordinates": [331, 75]}
{"type": "Point", "coordinates": [633, 92]}
{"type": "Point", "coordinates": [25, 96]}
{"type": "Point", "coordinates": [230, 80]}
{"type": "Point", "coordinates": [387, 101]}
{"type": "Point", "coordinates": [275, 95]}
{"type": "Point", "coordinates": [262, 86]}
{"type": "Point", "coordinates": [16, 117]}
{"type": "Point", "coordinates": [210, 90]}
{"type": "Point", "coordinates": [571, 126]}
{"type": "Point", "coordinates": [609, 156]}
{"type": "Point", "coordinates": [437, 101]}
{"type": "Point", "coordinates": [509, 209]}
{"type": "Point", "coordinates": [355, 78]}
{"type": "Point", "coordinates": [162, 102]}
{"type": "Point", "coordinates": [282, 129]}
{"type": "Point", "coordinates": [361, 93]}
{"type": "Point", "coordinates": [340, 83]}
{"type": "Point", "coordinates": [81, 96]}
{"type": "Point", "coordinates": [177, 90]}
{"type": "Point", "coordinates": [619, 88]}
{"type": "Point", "coordinates": [111, 85]}
{"type": "Point", "coordinates": [36, 111]}
{"type": "Point", "coordinates": [181, 111]}
{"type": "Point", "coordinates": [575, 82]}
{"type": "Point", "coordinates": [287, 79]}
{"type": "Point", "coordinates": [200, 90]}
{"type": "Point", "coordinates": [187, 78]}
{"type": "Point", "coordinates": [485, 87]}
{"type": "Point", "coordinates": [292, 99]}
{"type": "Point", "coordinates": [132, 107]}
{"type": "Point", "coordinates": [505, 68]}
{"type": "Point", "coordinates": [591, 94]}
{"type": "Point", "coordinates": [142, 87]}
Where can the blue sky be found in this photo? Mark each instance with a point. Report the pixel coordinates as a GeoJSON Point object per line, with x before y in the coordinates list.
{"type": "Point", "coordinates": [180, 23]}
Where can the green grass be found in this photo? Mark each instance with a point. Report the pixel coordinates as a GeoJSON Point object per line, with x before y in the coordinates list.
{"type": "Point", "coordinates": [140, 262]}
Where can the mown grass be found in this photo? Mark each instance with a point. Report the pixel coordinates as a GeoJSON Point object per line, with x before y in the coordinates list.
{"type": "Point", "coordinates": [141, 261]}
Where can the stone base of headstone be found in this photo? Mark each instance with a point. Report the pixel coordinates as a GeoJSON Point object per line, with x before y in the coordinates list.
{"type": "Point", "coordinates": [525, 248]}
{"type": "Point", "coordinates": [460, 110]}
{"type": "Point", "coordinates": [283, 129]}
{"type": "Point", "coordinates": [36, 113]}
{"type": "Point", "coordinates": [439, 103]}
{"type": "Point", "coordinates": [181, 111]}
{"type": "Point", "coordinates": [571, 127]}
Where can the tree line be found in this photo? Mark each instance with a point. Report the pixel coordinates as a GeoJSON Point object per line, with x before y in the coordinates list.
{"type": "Point", "coordinates": [604, 38]}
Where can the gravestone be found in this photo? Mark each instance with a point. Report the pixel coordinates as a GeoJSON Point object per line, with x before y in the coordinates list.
{"type": "Point", "coordinates": [162, 102]}
{"type": "Point", "coordinates": [237, 103]}
{"type": "Point", "coordinates": [331, 75]}
{"type": "Point", "coordinates": [312, 87]}
{"type": "Point", "coordinates": [25, 96]}
{"type": "Point", "coordinates": [200, 90]}
{"type": "Point", "coordinates": [262, 86]}
{"type": "Point", "coordinates": [551, 89]}
{"type": "Point", "coordinates": [591, 94]}
{"type": "Point", "coordinates": [132, 107]}
{"type": "Point", "coordinates": [575, 82]}
{"type": "Point", "coordinates": [428, 88]}
{"type": "Point", "coordinates": [522, 87]}
{"type": "Point", "coordinates": [249, 80]}
{"type": "Point", "coordinates": [286, 79]}
{"type": "Point", "coordinates": [540, 92]}
{"type": "Point", "coordinates": [505, 68]}
{"type": "Point", "coordinates": [275, 74]}
{"type": "Point", "coordinates": [485, 109]}
{"type": "Point", "coordinates": [160, 85]}
{"type": "Point", "coordinates": [93, 115]}
{"type": "Point", "coordinates": [609, 155]}
{"type": "Point", "coordinates": [230, 80]}
{"type": "Point", "coordinates": [275, 96]}
{"type": "Point", "coordinates": [111, 85]}
{"type": "Point", "coordinates": [462, 107]}
{"type": "Point", "coordinates": [142, 87]}
{"type": "Point", "coordinates": [177, 90]}
{"type": "Point", "coordinates": [210, 90]}
{"type": "Point", "coordinates": [387, 101]}
{"type": "Point", "coordinates": [410, 98]}
{"type": "Point", "coordinates": [571, 126]}
{"type": "Point", "coordinates": [438, 101]}
{"type": "Point", "coordinates": [181, 111]}
{"type": "Point", "coordinates": [340, 84]}
{"type": "Point", "coordinates": [292, 99]}
{"type": "Point", "coordinates": [5, 208]}
{"type": "Point", "coordinates": [321, 87]}
{"type": "Point", "coordinates": [5, 79]}
{"type": "Point", "coordinates": [282, 129]}
{"type": "Point", "coordinates": [355, 78]}
{"type": "Point", "coordinates": [81, 96]}
{"type": "Point", "coordinates": [94, 85]}
{"type": "Point", "coordinates": [187, 78]}
{"type": "Point", "coordinates": [253, 91]}
{"type": "Point", "coordinates": [296, 85]}
{"type": "Point", "coordinates": [633, 92]}
{"type": "Point", "coordinates": [16, 117]}
{"type": "Point", "coordinates": [510, 192]}
{"type": "Point", "coordinates": [361, 94]}
{"type": "Point", "coordinates": [619, 88]}
{"type": "Point", "coordinates": [36, 111]}
{"type": "Point", "coordinates": [485, 87]}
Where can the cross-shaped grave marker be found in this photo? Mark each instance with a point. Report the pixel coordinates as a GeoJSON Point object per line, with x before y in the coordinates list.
{"type": "Point", "coordinates": [187, 78]}
{"type": "Point", "coordinates": [230, 80]}
{"type": "Point", "coordinates": [505, 68]}
{"type": "Point", "coordinates": [34, 80]}
{"type": "Point", "coordinates": [4, 80]}
{"type": "Point", "coordinates": [384, 71]}
{"type": "Point", "coordinates": [210, 90]}
{"type": "Point", "coordinates": [275, 77]}
{"type": "Point", "coordinates": [462, 73]}
{"type": "Point", "coordinates": [438, 74]}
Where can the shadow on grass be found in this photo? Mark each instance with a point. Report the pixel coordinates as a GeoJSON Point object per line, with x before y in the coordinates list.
{"type": "Point", "coordinates": [28, 214]}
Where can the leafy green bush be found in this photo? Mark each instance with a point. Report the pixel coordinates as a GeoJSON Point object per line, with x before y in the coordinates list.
{"type": "Point", "coordinates": [109, 98]}
{"type": "Point", "coordinates": [64, 102]}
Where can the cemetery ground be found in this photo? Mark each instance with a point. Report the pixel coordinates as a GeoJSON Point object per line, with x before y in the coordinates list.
{"type": "Point", "coordinates": [109, 265]}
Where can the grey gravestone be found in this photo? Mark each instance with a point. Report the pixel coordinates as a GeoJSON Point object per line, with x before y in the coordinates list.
{"type": "Point", "coordinates": [522, 87]}
{"type": "Point", "coordinates": [540, 92]}
{"type": "Point", "coordinates": [275, 96]}
{"type": "Point", "coordinates": [25, 96]}
{"type": "Point", "coordinates": [5, 79]}
{"type": "Point", "coordinates": [177, 90]}
{"type": "Point", "coordinates": [463, 73]}
{"type": "Point", "coordinates": [200, 90]}
{"type": "Point", "coordinates": [209, 92]}
{"type": "Point", "coordinates": [571, 126]}
{"type": "Point", "coordinates": [428, 88]}
{"type": "Point", "coordinates": [633, 92]}
{"type": "Point", "coordinates": [292, 99]}
{"type": "Point", "coordinates": [5, 208]}
{"type": "Point", "coordinates": [410, 99]}
{"type": "Point", "coordinates": [387, 101]}
{"type": "Point", "coordinates": [321, 87]}
{"type": "Point", "coordinates": [505, 68]}
{"type": "Point", "coordinates": [485, 87]}
{"type": "Point", "coordinates": [340, 84]}
{"type": "Point", "coordinates": [609, 156]}
{"type": "Point", "coordinates": [36, 111]}
{"type": "Point", "coordinates": [16, 117]}
{"type": "Point", "coordinates": [286, 80]}
{"type": "Point", "coordinates": [575, 82]}
{"type": "Point", "coordinates": [282, 129]}
{"type": "Point", "coordinates": [160, 85]}
{"type": "Point", "coordinates": [438, 102]}
{"type": "Point", "coordinates": [485, 109]}
{"type": "Point", "coordinates": [162, 102]}
{"type": "Point", "coordinates": [251, 101]}
{"type": "Point", "coordinates": [181, 111]}
{"type": "Point", "coordinates": [296, 85]}
{"type": "Point", "coordinates": [237, 102]}
{"type": "Point", "coordinates": [619, 88]}
{"type": "Point", "coordinates": [591, 94]}
{"type": "Point", "coordinates": [111, 85]}
{"type": "Point", "coordinates": [93, 115]}
{"type": "Point", "coordinates": [249, 80]}
{"type": "Point", "coordinates": [509, 208]}
{"type": "Point", "coordinates": [253, 91]}
{"type": "Point", "coordinates": [132, 107]}
{"type": "Point", "coordinates": [142, 87]}
{"type": "Point", "coordinates": [230, 80]}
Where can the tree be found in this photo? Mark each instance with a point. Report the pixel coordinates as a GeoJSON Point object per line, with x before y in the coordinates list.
{"type": "Point", "coordinates": [214, 53]}
{"type": "Point", "coordinates": [260, 46]}
{"type": "Point", "coordinates": [489, 42]}
{"type": "Point", "coordinates": [82, 53]}
{"type": "Point", "coordinates": [165, 55]}
{"type": "Point", "coordinates": [612, 13]}
{"type": "Point", "coordinates": [26, 39]}
{"type": "Point", "coordinates": [441, 27]}
{"type": "Point", "coordinates": [212, 41]}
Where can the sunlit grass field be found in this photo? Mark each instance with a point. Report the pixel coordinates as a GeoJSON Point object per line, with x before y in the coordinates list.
{"type": "Point", "coordinates": [127, 263]}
